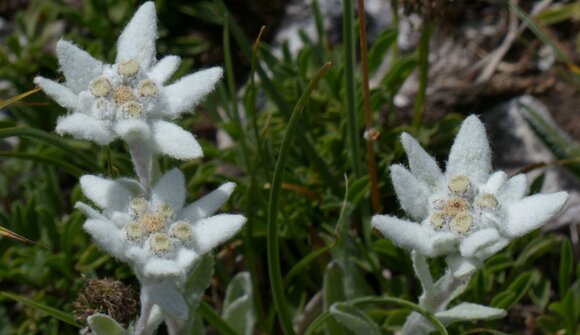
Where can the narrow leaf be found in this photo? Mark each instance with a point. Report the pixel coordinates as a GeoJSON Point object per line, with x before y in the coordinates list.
{"type": "Point", "coordinates": [53, 312]}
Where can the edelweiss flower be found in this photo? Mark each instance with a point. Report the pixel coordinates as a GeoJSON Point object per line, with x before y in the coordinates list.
{"type": "Point", "coordinates": [465, 213]}
{"type": "Point", "coordinates": [157, 235]}
{"type": "Point", "coordinates": [127, 99]}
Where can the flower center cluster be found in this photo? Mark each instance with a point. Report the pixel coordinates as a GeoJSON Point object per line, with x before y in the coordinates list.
{"type": "Point", "coordinates": [123, 92]}
{"type": "Point", "coordinates": [156, 228]}
{"type": "Point", "coordinates": [461, 208]}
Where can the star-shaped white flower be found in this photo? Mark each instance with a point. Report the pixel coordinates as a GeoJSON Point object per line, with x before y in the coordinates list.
{"type": "Point", "coordinates": [128, 99]}
{"type": "Point", "coordinates": [157, 235]}
{"type": "Point", "coordinates": [466, 213]}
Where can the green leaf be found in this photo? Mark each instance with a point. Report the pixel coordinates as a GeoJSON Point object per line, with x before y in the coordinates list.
{"type": "Point", "coordinates": [357, 321]}
{"type": "Point", "coordinates": [468, 312]}
{"type": "Point", "coordinates": [215, 320]}
{"type": "Point", "coordinates": [515, 291]}
{"type": "Point", "coordinates": [102, 324]}
{"type": "Point", "coordinates": [333, 292]}
{"type": "Point", "coordinates": [566, 266]}
{"type": "Point", "coordinates": [55, 313]}
{"type": "Point", "coordinates": [238, 304]}
{"type": "Point", "coordinates": [377, 52]}
{"type": "Point", "coordinates": [198, 281]}
{"type": "Point", "coordinates": [534, 249]}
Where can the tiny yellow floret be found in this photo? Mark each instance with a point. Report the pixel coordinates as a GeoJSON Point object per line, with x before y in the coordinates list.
{"type": "Point", "coordinates": [134, 231]}
{"type": "Point", "coordinates": [486, 201]}
{"type": "Point", "coordinates": [462, 222]}
{"type": "Point", "coordinates": [147, 88]}
{"type": "Point", "coordinates": [459, 184]}
{"type": "Point", "coordinates": [454, 206]}
{"type": "Point", "coordinates": [132, 109]}
{"type": "Point", "coordinates": [437, 219]}
{"type": "Point", "coordinates": [166, 211]}
{"type": "Point", "coordinates": [160, 243]}
{"type": "Point", "coordinates": [138, 206]}
{"type": "Point", "coordinates": [128, 68]}
{"type": "Point", "coordinates": [152, 222]}
{"type": "Point", "coordinates": [100, 87]}
{"type": "Point", "coordinates": [123, 94]}
{"type": "Point", "coordinates": [182, 231]}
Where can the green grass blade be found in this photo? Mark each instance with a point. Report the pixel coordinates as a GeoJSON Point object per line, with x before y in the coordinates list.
{"type": "Point", "coordinates": [297, 269]}
{"type": "Point", "coordinates": [4, 103]}
{"type": "Point", "coordinates": [423, 57]}
{"type": "Point", "coordinates": [214, 319]}
{"type": "Point", "coordinates": [271, 90]}
{"type": "Point", "coordinates": [55, 313]}
{"type": "Point", "coordinates": [537, 30]}
{"type": "Point", "coordinates": [351, 100]}
{"type": "Point", "coordinates": [274, 269]}
{"type": "Point", "coordinates": [67, 167]}
{"type": "Point", "coordinates": [48, 139]}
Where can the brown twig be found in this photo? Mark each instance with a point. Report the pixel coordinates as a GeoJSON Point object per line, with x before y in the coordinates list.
{"type": "Point", "coordinates": [371, 161]}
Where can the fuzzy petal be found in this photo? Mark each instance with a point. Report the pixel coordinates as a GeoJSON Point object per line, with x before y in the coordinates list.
{"type": "Point", "coordinates": [462, 267]}
{"type": "Point", "coordinates": [492, 249]}
{"type": "Point", "coordinates": [186, 258]}
{"type": "Point", "coordinates": [170, 189]}
{"type": "Point", "coordinates": [405, 234]}
{"type": "Point", "coordinates": [107, 236]}
{"type": "Point", "coordinates": [494, 183]}
{"type": "Point", "coordinates": [413, 194]}
{"type": "Point", "coordinates": [161, 268]}
{"type": "Point", "coordinates": [469, 312]}
{"type": "Point", "coordinates": [188, 91]}
{"type": "Point", "coordinates": [60, 93]}
{"type": "Point", "coordinates": [470, 154]}
{"type": "Point", "coordinates": [89, 211]}
{"type": "Point", "coordinates": [478, 240]}
{"type": "Point", "coordinates": [513, 190]}
{"type": "Point", "coordinates": [164, 69]}
{"type": "Point", "coordinates": [107, 194]}
{"type": "Point", "coordinates": [175, 142]}
{"type": "Point", "coordinates": [78, 67]}
{"type": "Point", "coordinates": [166, 295]}
{"type": "Point", "coordinates": [84, 127]}
{"type": "Point", "coordinates": [209, 204]}
{"type": "Point", "coordinates": [132, 129]}
{"type": "Point", "coordinates": [422, 165]}
{"type": "Point", "coordinates": [532, 212]}
{"type": "Point", "coordinates": [211, 232]}
{"type": "Point", "coordinates": [137, 41]}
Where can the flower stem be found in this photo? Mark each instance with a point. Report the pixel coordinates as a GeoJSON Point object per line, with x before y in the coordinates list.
{"type": "Point", "coordinates": [142, 158]}
{"type": "Point", "coordinates": [423, 73]}
{"type": "Point", "coordinates": [146, 307]}
{"type": "Point", "coordinates": [435, 297]}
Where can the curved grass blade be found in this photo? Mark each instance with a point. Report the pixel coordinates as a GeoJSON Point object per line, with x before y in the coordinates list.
{"type": "Point", "coordinates": [69, 168]}
{"type": "Point", "coordinates": [4, 103]}
{"type": "Point", "coordinates": [214, 319]}
{"type": "Point", "coordinates": [274, 269]}
{"type": "Point", "coordinates": [49, 139]}
{"type": "Point", "coordinates": [55, 313]}
{"type": "Point", "coordinates": [10, 234]}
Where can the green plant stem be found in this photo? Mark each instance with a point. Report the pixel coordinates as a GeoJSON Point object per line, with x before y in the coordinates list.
{"type": "Point", "coordinates": [371, 161]}
{"type": "Point", "coordinates": [423, 51]}
{"type": "Point", "coordinates": [273, 253]}
{"type": "Point", "coordinates": [232, 92]}
{"type": "Point", "coordinates": [352, 124]}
